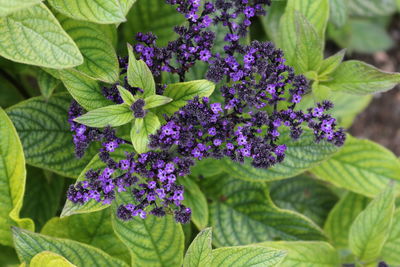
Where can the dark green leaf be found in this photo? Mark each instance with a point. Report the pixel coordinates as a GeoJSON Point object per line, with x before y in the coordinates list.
{"type": "Point", "coordinates": [195, 199]}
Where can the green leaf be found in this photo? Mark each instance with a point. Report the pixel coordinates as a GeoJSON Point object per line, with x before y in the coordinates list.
{"type": "Point", "coordinates": [271, 21]}
{"type": "Point", "coordinates": [7, 7]}
{"type": "Point", "coordinates": [154, 101]}
{"type": "Point", "coordinates": [47, 258]}
{"type": "Point", "coordinates": [84, 90]}
{"type": "Point", "coordinates": [196, 200]}
{"type": "Point", "coordinates": [152, 16]}
{"type": "Point", "coordinates": [309, 50]}
{"type": "Point", "coordinates": [241, 212]}
{"type": "Point", "coordinates": [126, 5]}
{"type": "Point", "coordinates": [99, 57]}
{"type": "Point", "coordinates": [45, 44]}
{"type": "Point", "coordinates": [331, 63]}
{"type": "Point", "coordinates": [251, 256]}
{"type": "Point", "coordinates": [301, 155]}
{"type": "Point", "coordinates": [12, 180]}
{"type": "Point", "coordinates": [29, 244]}
{"type": "Point", "coordinates": [339, 10]}
{"type": "Point", "coordinates": [321, 92]}
{"type": "Point", "coordinates": [47, 83]}
{"type": "Point", "coordinates": [96, 164]}
{"type": "Point", "coordinates": [371, 228]}
{"type": "Point", "coordinates": [199, 251]}
{"type": "Point", "coordinates": [152, 242]}
{"type": "Point", "coordinates": [183, 92]}
{"type": "Point", "coordinates": [371, 8]}
{"type": "Point", "coordinates": [142, 128]}
{"type": "Point", "coordinates": [113, 115]}
{"type": "Point", "coordinates": [8, 257]}
{"type": "Point", "coordinates": [94, 229]}
{"type": "Point", "coordinates": [340, 218]}
{"type": "Point", "coordinates": [305, 195]}
{"type": "Point", "coordinates": [98, 11]}
{"type": "Point", "coordinates": [139, 75]}
{"type": "Point", "coordinates": [316, 12]}
{"type": "Point", "coordinates": [356, 77]}
{"type": "Point", "coordinates": [361, 166]}
{"type": "Point", "coordinates": [391, 249]}
{"type": "Point", "coordinates": [305, 254]}
{"type": "Point", "coordinates": [43, 194]}
{"type": "Point", "coordinates": [126, 96]}
{"type": "Point", "coordinates": [45, 134]}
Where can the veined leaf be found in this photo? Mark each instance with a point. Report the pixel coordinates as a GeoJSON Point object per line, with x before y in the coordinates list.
{"type": "Point", "coordinates": [91, 206]}
{"type": "Point", "coordinates": [241, 213]}
{"type": "Point", "coordinates": [47, 83]}
{"type": "Point", "coordinates": [24, 40]}
{"type": "Point", "coordinates": [154, 101]}
{"type": "Point", "coordinates": [12, 180]}
{"type": "Point", "coordinates": [99, 57]}
{"type": "Point", "coordinates": [199, 251]}
{"type": "Point", "coordinates": [391, 249]}
{"type": "Point", "coordinates": [183, 92]}
{"type": "Point", "coordinates": [84, 90]}
{"type": "Point", "coordinates": [301, 155]}
{"type": "Point", "coordinates": [94, 229]}
{"type": "Point", "coordinates": [304, 195]}
{"type": "Point", "coordinates": [7, 7]}
{"type": "Point", "coordinates": [251, 256]}
{"type": "Point", "coordinates": [304, 254]}
{"type": "Point", "coordinates": [371, 228]}
{"type": "Point", "coordinates": [29, 244]}
{"type": "Point", "coordinates": [142, 128]}
{"type": "Point", "coordinates": [331, 63]}
{"type": "Point", "coordinates": [339, 12]}
{"type": "Point", "coordinates": [340, 218]}
{"type": "Point", "coordinates": [47, 258]}
{"type": "Point", "coordinates": [139, 75]}
{"type": "Point", "coordinates": [126, 5]}
{"type": "Point", "coordinates": [126, 96]}
{"type": "Point", "coordinates": [362, 166]}
{"type": "Point", "coordinates": [271, 21]}
{"type": "Point", "coordinates": [196, 200]}
{"type": "Point", "coordinates": [371, 8]}
{"type": "Point", "coordinates": [152, 242]}
{"type": "Point", "coordinates": [98, 11]}
{"type": "Point", "coordinates": [356, 77]}
{"type": "Point", "coordinates": [114, 115]}
{"type": "Point", "coordinates": [44, 131]}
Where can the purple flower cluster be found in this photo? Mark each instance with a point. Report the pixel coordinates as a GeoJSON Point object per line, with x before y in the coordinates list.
{"type": "Point", "coordinates": [260, 95]}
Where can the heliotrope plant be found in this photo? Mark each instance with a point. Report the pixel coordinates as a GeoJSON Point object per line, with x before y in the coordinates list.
{"type": "Point", "coordinates": [259, 97]}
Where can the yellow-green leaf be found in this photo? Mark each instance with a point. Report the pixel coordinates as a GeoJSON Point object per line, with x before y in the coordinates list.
{"type": "Point", "coordinates": [48, 259]}
{"type": "Point", "coordinates": [142, 128]}
{"type": "Point", "coordinates": [113, 115]}
{"type": "Point", "coordinates": [10, 6]}
{"type": "Point", "coordinates": [199, 251]}
{"type": "Point", "coordinates": [391, 249]}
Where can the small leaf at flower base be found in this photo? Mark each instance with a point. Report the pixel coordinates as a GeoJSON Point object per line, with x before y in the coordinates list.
{"type": "Point", "coordinates": [8, 7]}
{"type": "Point", "coordinates": [241, 212]}
{"type": "Point", "coordinates": [196, 200]}
{"type": "Point", "coordinates": [47, 258]}
{"type": "Point", "coordinates": [28, 244]}
{"type": "Point", "coordinates": [99, 57]}
{"type": "Point", "coordinates": [183, 92]}
{"type": "Point", "coordinates": [361, 166]}
{"type": "Point", "coordinates": [154, 101]}
{"type": "Point", "coordinates": [356, 77]}
{"type": "Point", "coordinates": [391, 249]}
{"type": "Point", "coordinates": [142, 128]}
{"type": "Point", "coordinates": [330, 64]}
{"type": "Point", "coordinates": [50, 46]}
{"type": "Point", "coordinates": [47, 83]}
{"type": "Point", "coordinates": [199, 251]}
{"type": "Point", "coordinates": [371, 228]}
{"type": "Point", "coordinates": [84, 90]}
{"type": "Point", "coordinates": [340, 218]}
{"type": "Point", "coordinates": [48, 145]}
{"type": "Point", "coordinates": [338, 12]}
{"type": "Point", "coordinates": [114, 115]}
{"type": "Point", "coordinates": [126, 96]}
{"type": "Point", "coordinates": [12, 179]}
{"type": "Point", "coordinates": [152, 241]}
{"type": "Point", "coordinates": [93, 229]}
{"type": "Point", "coordinates": [247, 256]}
{"type": "Point", "coordinates": [139, 75]}
{"type": "Point", "coordinates": [98, 11]}
{"type": "Point", "coordinates": [71, 208]}
{"type": "Point", "coordinates": [306, 253]}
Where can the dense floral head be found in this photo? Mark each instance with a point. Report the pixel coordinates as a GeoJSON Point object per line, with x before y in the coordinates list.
{"type": "Point", "coordinates": [260, 94]}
